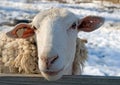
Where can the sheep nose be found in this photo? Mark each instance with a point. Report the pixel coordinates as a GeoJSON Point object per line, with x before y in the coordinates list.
{"type": "Point", "coordinates": [48, 61]}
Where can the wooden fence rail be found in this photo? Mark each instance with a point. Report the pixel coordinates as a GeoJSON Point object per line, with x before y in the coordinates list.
{"type": "Point", "coordinates": [66, 80]}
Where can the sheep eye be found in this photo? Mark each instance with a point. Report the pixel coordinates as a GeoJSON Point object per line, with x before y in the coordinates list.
{"type": "Point", "coordinates": [73, 26]}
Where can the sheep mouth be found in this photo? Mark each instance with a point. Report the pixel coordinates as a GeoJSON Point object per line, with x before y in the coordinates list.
{"type": "Point", "coordinates": [52, 73]}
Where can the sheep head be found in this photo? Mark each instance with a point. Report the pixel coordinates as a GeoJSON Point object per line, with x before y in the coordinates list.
{"type": "Point", "coordinates": [56, 33]}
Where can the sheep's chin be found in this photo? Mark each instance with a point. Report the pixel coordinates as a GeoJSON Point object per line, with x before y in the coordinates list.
{"type": "Point", "coordinates": [52, 76]}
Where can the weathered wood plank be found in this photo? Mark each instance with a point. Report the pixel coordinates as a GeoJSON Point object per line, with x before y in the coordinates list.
{"type": "Point", "coordinates": [66, 80]}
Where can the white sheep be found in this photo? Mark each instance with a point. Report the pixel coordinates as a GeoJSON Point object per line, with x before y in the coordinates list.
{"type": "Point", "coordinates": [11, 62]}
{"type": "Point", "coordinates": [53, 51]}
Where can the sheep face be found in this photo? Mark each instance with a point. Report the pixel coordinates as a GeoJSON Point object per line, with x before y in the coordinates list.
{"type": "Point", "coordinates": [56, 34]}
{"type": "Point", "coordinates": [56, 43]}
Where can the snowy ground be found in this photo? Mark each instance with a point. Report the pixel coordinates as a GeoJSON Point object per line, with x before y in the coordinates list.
{"type": "Point", "coordinates": [103, 44]}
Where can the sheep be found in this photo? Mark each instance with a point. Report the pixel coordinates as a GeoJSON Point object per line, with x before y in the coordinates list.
{"type": "Point", "coordinates": [48, 45]}
{"type": "Point", "coordinates": [11, 63]}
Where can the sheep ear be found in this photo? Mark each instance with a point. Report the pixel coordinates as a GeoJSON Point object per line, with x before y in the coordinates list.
{"type": "Point", "coordinates": [90, 23]}
{"type": "Point", "coordinates": [22, 30]}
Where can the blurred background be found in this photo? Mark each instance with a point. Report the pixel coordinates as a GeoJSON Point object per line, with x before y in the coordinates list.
{"type": "Point", "coordinates": [103, 44]}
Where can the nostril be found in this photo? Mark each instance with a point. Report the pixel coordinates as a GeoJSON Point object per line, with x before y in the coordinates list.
{"type": "Point", "coordinates": [48, 61]}
{"type": "Point", "coordinates": [53, 59]}
{"type": "Point", "coordinates": [44, 59]}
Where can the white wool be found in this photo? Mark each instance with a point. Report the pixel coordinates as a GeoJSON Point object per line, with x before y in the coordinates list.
{"type": "Point", "coordinates": [19, 55]}
{"type": "Point", "coordinates": [80, 56]}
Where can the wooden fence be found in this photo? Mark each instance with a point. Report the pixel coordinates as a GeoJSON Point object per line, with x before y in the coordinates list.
{"type": "Point", "coordinates": [112, 1]}
{"type": "Point", "coordinates": [65, 80]}
{"type": "Point", "coordinates": [76, 1]}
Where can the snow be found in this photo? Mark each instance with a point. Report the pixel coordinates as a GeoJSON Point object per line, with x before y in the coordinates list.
{"type": "Point", "coordinates": [104, 51]}
{"type": "Point", "coordinates": [103, 44]}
